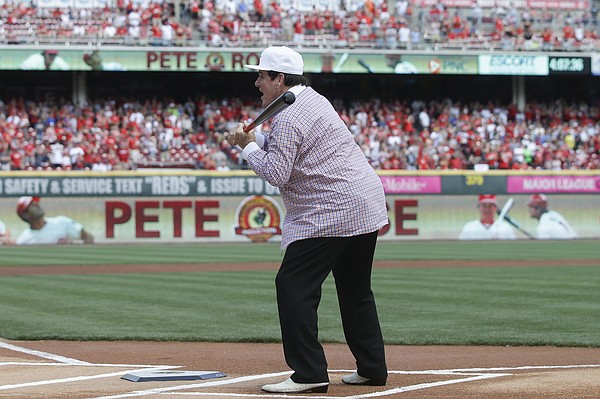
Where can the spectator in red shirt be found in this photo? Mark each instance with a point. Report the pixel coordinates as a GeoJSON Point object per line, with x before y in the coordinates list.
{"type": "Point", "coordinates": [259, 10]}
{"type": "Point", "coordinates": [16, 159]}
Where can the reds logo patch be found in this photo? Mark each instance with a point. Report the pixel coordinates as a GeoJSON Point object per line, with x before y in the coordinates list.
{"type": "Point", "coordinates": [259, 218]}
{"type": "Point", "coordinates": [215, 61]}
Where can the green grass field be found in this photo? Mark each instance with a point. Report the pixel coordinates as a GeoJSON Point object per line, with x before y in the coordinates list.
{"type": "Point", "coordinates": [510, 305]}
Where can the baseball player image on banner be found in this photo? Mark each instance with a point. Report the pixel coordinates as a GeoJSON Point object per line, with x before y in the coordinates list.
{"type": "Point", "coordinates": [48, 230]}
{"type": "Point", "coordinates": [5, 237]}
{"type": "Point", "coordinates": [551, 224]}
{"type": "Point", "coordinates": [45, 60]}
{"type": "Point", "coordinates": [487, 227]}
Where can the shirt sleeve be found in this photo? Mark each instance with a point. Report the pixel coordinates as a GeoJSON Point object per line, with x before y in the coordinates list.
{"type": "Point", "coordinates": [260, 139]}
{"type": "Point", "coordinates": [251, 147]}
{"type": "Point", "coordinates": [258, 144]}
{"type": "Point", "coordinates": [275, 165]}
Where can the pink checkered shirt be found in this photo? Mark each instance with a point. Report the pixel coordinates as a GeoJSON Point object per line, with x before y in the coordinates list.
{"type": "Point", "coordinates": [328, 187]}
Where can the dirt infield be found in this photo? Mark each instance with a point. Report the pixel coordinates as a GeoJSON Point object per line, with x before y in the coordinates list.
{"type": "Point", "coordinates": [76, 370]}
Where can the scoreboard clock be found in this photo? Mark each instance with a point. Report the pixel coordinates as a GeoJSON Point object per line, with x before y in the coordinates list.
{"type": "Point", "coordinates": [569, 65]}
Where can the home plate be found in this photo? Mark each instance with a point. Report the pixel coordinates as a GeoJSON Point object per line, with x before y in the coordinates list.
{"type": "Point", "coordinates": [170, 375]}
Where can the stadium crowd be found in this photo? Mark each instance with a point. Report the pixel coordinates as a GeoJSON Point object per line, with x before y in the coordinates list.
{"type": "Point", "coordinates": [129, 134]}
{"type": "Point", "coordinates": [353, 23]}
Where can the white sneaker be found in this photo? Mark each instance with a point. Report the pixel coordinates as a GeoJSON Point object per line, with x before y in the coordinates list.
{"type": "Point", "coordinates": [289, 386]}
{"type": "Point", "coordinates": [355, 379]}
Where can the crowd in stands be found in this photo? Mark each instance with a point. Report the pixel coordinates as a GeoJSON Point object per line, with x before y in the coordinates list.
{"type": "Point", "coordinates": [127, 134]}
{"type": "Point", "coordinates": [358, 23]}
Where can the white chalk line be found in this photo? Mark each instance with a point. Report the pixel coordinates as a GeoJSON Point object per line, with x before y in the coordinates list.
{"type": "Point", "coordinates": [44, 364]}
{"type": "Point", "coordinates": [468, 374]}
{"type": "Point", "coordinates": [65, 362]}
{"type": "Point", "coordinates": [156, 391]}
{"type": "Point", "coordinates": [471, 374]}
{"type": "Point", "coordinates": [517, 368]}
{"type": "Point", "coordinates": [386, 392]}
{"type": "Point", "coordinates": [44, 355]}
{"type": "Point", "coordinates": [68, 379]}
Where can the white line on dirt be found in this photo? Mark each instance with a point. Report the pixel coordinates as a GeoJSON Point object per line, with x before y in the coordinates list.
{"type": "Point", "coordinates": [385, 392]}
{"type": "Point", "coordinates": [570, 366]}
{"type": "Point", "coordinates": [471, 374]}
{"type": "Point", "coordinates": [157, 391]}
{"type": "Point", "coordinates": [69, 379]}
{"type": "Point", "coordinates": [137, 366]}
{"type": "Point", "coordinates": [45, 355]}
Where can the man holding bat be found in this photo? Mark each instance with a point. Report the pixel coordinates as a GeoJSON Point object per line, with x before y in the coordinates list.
{"type": "Point", "coordinates": [335, 206]}
{"type": "Point", "coordinates": [487, 227]}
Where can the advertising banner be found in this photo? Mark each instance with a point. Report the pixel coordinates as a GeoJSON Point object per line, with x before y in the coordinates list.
{"type": "Point", "coordinates": [316, 61]}
{"type": "Point", "coordinates": [190, 206]}
{"type": "Point", "coordinates": [191, 184]}
{"type": "Point", "coordinates": [259, 218]}
{"type": "Point", "coordinates": [130, 185]}
{"type": "Point", "coordinates": [412, 184]}
{"type": "Point", "coordinates": [187, 185]}
{"type": "Point", "coordinates": [396, 63]}
{"type": "Point", "coordinates": [553, 184]}
{"type": "Point", "coordinates": [513, 64]}
{"type": "Point", "coordinates": [435, 64]}
{"type": "Point", "coordinates": [474, 183]}
{"type": "Point", "coordinates": [230, 60]}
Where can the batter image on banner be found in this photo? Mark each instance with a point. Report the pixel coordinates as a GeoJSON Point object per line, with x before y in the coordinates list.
{"type": "Point", "coordinates": [487, 227]}
{"type": "Point", "coordinates": [5, 237]}
{"type": "Point", "coordinates": [551, 224]}
{"type": "Point", "coordinates": [48, 230]}
{"type": "Point", "coordinates": [47, 59]}
{"type": "Point", "coordinates": [335, 206]}
{"type": "Point", "coordinates": [395, 62]}
{"type": "Point", "coordinates": [94, 60]}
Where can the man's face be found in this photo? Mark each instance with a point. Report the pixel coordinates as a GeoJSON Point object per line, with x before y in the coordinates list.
{"type": "Point", "coordinates": [487, 210]}
{"type": "Point", "coordinates": [534, 212]}
{"type": "Point", "coordinates": [94, 60]}
{"type": "Point", "coordinates": [49, 59]}
{"type": "Point", "coordinates": [270, 88]}
{"type": "Point", "coordinates": [34, 212]}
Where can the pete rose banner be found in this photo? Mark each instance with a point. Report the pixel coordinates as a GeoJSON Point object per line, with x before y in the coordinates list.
{"type": "Point", "coordinates": [119, 220]}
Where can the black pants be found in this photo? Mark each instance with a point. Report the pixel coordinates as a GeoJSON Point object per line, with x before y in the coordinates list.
{"type": "Point", "coordinates": [305, 266]}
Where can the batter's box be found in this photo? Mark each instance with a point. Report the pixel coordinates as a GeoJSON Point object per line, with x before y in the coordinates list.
{"type": "Point", "coordinates": [398, 382]}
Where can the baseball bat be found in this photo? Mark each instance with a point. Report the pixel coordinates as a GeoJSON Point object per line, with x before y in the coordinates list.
{"type": "Point", "coordinates": [516, 224]}
{"type": "Point", "coordinates": [364, 64]}
{"type": "Point", "coordinates": [509, 204]}
{"type": "Point", "coordinates": [278, 105]}
{"type": "Point", "coordinates": [341, 62]}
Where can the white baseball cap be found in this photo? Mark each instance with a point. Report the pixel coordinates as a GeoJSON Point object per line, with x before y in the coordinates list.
{"type": "Point", "coordinates": [280, 59]}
